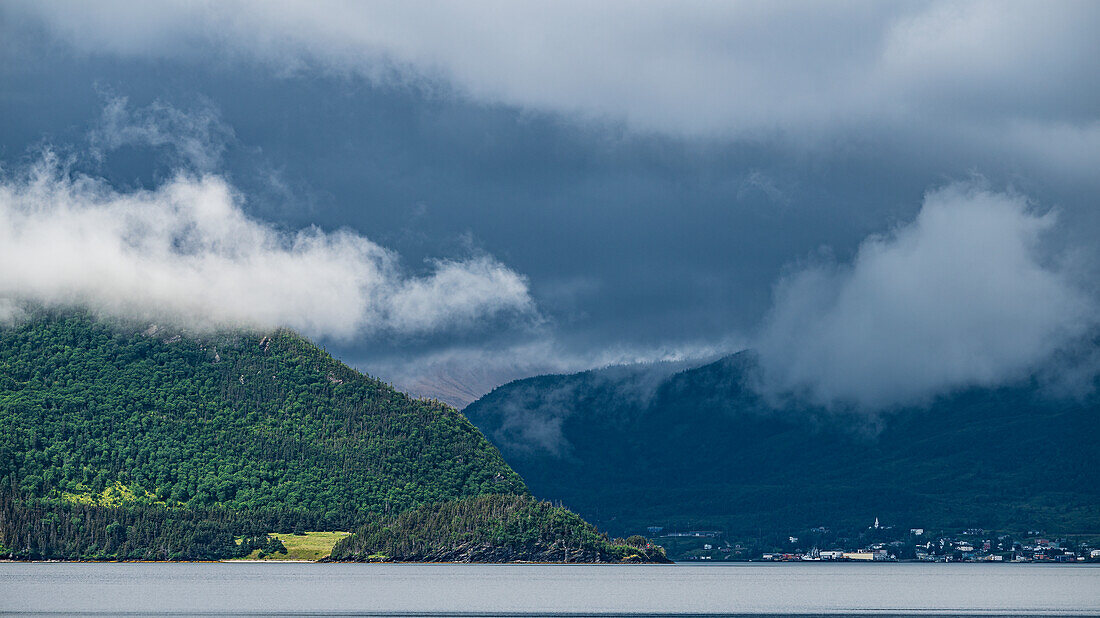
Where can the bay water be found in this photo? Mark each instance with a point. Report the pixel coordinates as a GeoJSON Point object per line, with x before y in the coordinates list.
{"type": "Point", "coordinates": [546, 590]}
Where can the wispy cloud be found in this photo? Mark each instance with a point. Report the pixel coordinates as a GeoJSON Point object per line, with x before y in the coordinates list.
{"type": "Point", "coordinates": [196, 138]}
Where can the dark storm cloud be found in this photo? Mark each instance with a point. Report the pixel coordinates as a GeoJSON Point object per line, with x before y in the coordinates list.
{"type": "Point", "coordinates": [680, 66]}
{"type": "Point", "coordinates": [651, 176]}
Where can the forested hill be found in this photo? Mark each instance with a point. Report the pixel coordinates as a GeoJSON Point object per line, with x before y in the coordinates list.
{"type": "Point", "coordinates": [105, 413]}
{"type": "Point", "coordinates": [700, 450]}
{"type": "Point", "coordinates": [490, 528]}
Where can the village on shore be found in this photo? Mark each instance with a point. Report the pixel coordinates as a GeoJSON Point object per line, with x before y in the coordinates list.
{"type": "Point", "coordinates": [879, 543]}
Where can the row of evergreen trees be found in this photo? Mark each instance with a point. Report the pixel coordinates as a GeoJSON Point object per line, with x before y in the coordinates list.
{"type": "Point", "coordinates": [490, 528]}
{"type": "Point", "coordinates": [37, 529]}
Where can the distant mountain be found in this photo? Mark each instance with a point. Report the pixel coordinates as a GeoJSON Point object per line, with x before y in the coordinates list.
{"type": "Point", "coordinates": [702, 449]}
{"type": "Point", "coordinates": [459, 381]}
{"type": "Point", "coordinates": [455, 383]}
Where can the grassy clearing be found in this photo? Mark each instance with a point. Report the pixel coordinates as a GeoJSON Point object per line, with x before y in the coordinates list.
{"type": "Point", "coordinates": [114, 495]}
{"type": "Point", "coordinates": [310, 546]}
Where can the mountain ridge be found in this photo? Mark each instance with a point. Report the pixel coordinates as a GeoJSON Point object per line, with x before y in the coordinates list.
{"type": "Point", "coordinates": [707, 450]}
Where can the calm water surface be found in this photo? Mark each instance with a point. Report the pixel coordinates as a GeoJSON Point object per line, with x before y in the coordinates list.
{"type": "Point", "coordinates": [513, 590]}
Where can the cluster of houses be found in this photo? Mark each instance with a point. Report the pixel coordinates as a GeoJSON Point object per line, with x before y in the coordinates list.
{"type": "Point", "coordinates": [972, 545]}
{"type": "Point", "coordinates": [883, 543]}
{"type": "Point", "coordinates": [1000, 549]}
{"type": "Point", "coordinates": [949, 550]}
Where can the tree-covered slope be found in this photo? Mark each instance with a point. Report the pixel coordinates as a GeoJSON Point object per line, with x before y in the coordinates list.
{"type": "Point", "coordinates": [490, 528]}
{"type": "Point", "coordinates": [701, 449]}
{"type": "Point", "coordinates": [57, 529]}
{"type": "Point", "coordinates": [243, 421]}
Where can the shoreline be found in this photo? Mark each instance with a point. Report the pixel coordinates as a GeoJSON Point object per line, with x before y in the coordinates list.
{"type": "Point", "coordinates": [521, 563]}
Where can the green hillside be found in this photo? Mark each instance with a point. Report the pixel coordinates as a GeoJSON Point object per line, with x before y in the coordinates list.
{"type": "Point", "coordinates": [490, 528]}
{"type": "Point", "coordinates": [700, 450]}
{"type": "Point", "coordinates": [102, 415]}
{"type": "Point", "coordinates": [241, 421]}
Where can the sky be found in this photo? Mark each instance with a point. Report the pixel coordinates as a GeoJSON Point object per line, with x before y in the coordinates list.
{"type": "Point", "coordinates": [887, 200]}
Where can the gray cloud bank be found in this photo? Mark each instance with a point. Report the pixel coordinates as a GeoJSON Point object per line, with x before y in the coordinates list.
{"type": "Point", "coordinates": [186, 251]}
{"type": "Point", "coordinates": [681, 66]}
{"type": "Point", "coordinates": [965, 295]}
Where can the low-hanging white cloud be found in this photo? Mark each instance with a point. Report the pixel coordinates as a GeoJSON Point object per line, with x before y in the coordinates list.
{"type": "Point", "coordinates": [963, 296]}
{"type": "Point", "coordinates": [187, 252]}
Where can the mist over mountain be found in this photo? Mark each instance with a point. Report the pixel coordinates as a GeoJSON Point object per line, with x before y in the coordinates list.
{"type": "Point", "coordinates": [969, 293]}
{"type": "Point", "coordinates": [703, 448]}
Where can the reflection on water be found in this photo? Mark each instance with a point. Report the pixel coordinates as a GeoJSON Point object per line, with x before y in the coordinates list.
{"type": "Point", "coordinates": [524, 590]}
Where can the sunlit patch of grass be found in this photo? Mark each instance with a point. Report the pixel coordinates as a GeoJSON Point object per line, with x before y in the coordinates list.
{"type": "Point", "coordinates": [308, 546]}
{"type": "Point", "coordinates": [114, 495]}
